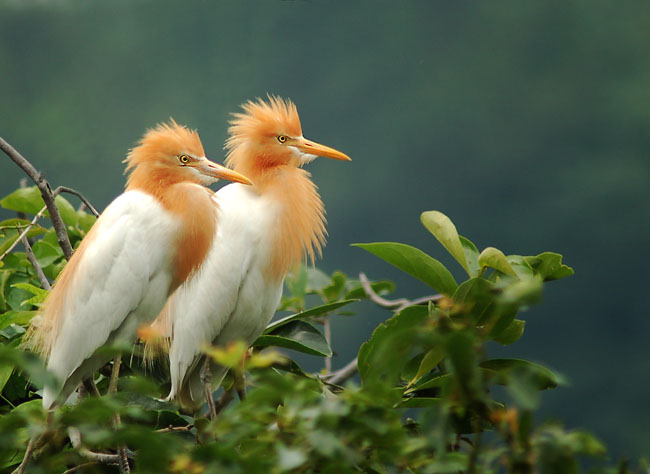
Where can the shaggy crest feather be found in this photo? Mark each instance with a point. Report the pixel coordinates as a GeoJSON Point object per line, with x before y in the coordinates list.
{"type": "Point", "coordinates": [275, 171]}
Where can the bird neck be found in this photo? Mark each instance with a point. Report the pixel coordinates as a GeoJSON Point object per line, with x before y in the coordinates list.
{"type": "Point", "coordinates": [189, 202]}
{"type": "Point", "coordinates": [300, 231]}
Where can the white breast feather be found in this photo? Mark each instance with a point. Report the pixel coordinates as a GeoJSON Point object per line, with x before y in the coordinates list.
{"type": "Point", "coordinates": [125, 272]}
{"type": "Point", "coordinates": [228, 298]}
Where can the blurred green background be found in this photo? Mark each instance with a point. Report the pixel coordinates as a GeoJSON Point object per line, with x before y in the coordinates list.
{"type": "Point", "coordinates": [526, 122]}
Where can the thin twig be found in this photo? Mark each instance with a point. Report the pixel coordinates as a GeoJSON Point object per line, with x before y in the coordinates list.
{"type": "Point", "coordinates": [65, 189]}
{"type": "Point", "coordinates": [32, 259]}
{"type": "Point", "coordinates": [80, 467]}
{"type": "Point", "coordinates": [175, 429]}
{"type": "Point", "coordinates": [397, 304]}
{"type": "Point", "coordinates": [24, 232]}
{"type": "Point", "coordinates": [28, 454]}
{"type": "Point", "coordinates": [46, 192]}
{"type": "Point", "coordinates": [206, 380]}
{"type": "Point", "coordinates": [328, 337]}
{"type": "Point", "coordinates": [339, 376]}
{"type": "Point", "coordinates": [224, 400]}
{"type": "Point", "coordinates": [75, 439]}
{"type": "Point", "coordinates": [112, 388]}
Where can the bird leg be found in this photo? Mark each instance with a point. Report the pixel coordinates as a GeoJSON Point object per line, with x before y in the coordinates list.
{"type": "Point", "coordinates": [91, 388]}
{"type": "Point", "coordinates": [206, 380]}
{"type": "Point", "coordinates": [239, 376]}
{"type": "Point", "coordinates": [112, 387]}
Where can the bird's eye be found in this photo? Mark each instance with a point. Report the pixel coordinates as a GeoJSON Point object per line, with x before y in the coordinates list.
{"type": "Point", "coordinates": [184, 159]}
{"type": "Point", "coordinates": [282, 138]}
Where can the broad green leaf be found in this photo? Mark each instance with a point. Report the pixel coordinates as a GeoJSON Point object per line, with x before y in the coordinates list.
{"type": "Point", "coordinates": [26, 200]}
{"type": "Point", "coordinates": [430, 360]}
{"type": "Point", "coordinates": [5, 373]}
{"type": "Point", "coordinates": [471, 255]}
{"type": "Point", "coordinates": [414, 262]}
{"type": "Point", "coordinates": [445, 231]}
{"type": "Point", "coordinates": [316, 311]}
{"type": "Point", "coordinates": [521, 266]}
{"type": "Point", "coordinates": [67, 211]}
{"type": "Point", "coordinates": [316, 279]}
{"type": "Point", "coordinates": [494, 258]}
{"type": "Point", "coordinates": [21, 318]}
{"type": "Point", "coordinates": [297, 335]}
{"type": "Point", "coordinates": [549, 265]}
{"type": "Point", "coordinates": [436, 381]}
{"type": "Point", "coordinates": [478, 297]}
{"type": "Point", "coordinates": [332, 291]}
{"type": "Point", "coordinates": [525, 291]}
{"type": "Point", "coordinates": [39, 293]}
{"type": "Point", "coordinates": [543, 377]}
{"type": "Point", "coordinates": [387, 351]}
{"type": "Point", "coordinates": [85, 220]}
{"type": "Point", "coordinates": [46, 254]}
{"type": "Point", "coordinates": [461, 348]}
{"type": "Point", "coordinates": [511, 333]}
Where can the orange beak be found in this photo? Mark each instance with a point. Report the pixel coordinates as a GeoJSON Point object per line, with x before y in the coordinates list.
{"type": "Point", "coordinates": [216, 171]}
{"type": "Point", "coordinates": [313, 148]}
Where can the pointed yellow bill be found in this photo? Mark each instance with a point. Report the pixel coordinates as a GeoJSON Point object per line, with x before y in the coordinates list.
{"type": "Point", "coordinates": [313, 148]}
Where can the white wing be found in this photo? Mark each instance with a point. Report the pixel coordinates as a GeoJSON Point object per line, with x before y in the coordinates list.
{"type": "Point", "coordinates": [121, 282]}
{"type": "Point", "coordinates": [228, 298]}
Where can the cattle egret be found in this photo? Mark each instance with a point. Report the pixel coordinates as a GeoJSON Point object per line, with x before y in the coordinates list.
{"type": "Point", "coordinates": [146, 243]}
{"type": "Point", "coordinates": [264, 231]}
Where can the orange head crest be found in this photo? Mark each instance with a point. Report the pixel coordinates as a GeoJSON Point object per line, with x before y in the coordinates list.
{"type": "Point", "coordinates": [171, 153]}
{"type": "Point", "coordinates": [270, 133]}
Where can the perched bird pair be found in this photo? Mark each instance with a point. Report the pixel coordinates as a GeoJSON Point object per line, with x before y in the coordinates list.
{"type": "Point", "coordinates": [221, 256]}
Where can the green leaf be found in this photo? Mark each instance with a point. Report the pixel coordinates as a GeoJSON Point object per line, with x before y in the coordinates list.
{"type": "Point", "coordinates": [296, 335]}
{"type": "Point", "coordinates": [521, 266]}
{"type": "Point", "coordinates": [387, 351]}
{"type": "Point", "coordinates": [332, 291]}
{"type": "Point", "coordinates": [445, 231]}
{"type": "Point", "coordinates": [67, 211]}
{"type": "Point", "coordinates": [478, 297]}
{"type": "Point", "coordinates": [85, 220]}
{"type": "Point", "coordinates": [461, 348]}
{"type": "Point", "coordinates": [543, 378]}
{"type": "Point", "coordinates": [316, 280]}
{"type": "Point", "coordinates": [525, 291]}
{"type": "Point", "coordinates": [316, 311]}
{"type": "Point", "coordinates": [414, 262]}
{"type": "Point", "coordinates": [549, 266]}
{"type": "Point", "coordinates": [511, 333]}
{"type": "Point", "coordinates": [5, 373]}
{"type": "Point", "coordinates": [430, 360]}
{"type": "Point", "coordinates": [471, 255]}
{"type": "Point", "coordinates": [26, 200]}
{"type": "Point", "coordinates": [22, 318]}
{"type": "Point", "coordinates": [39, 293]}
{"type": "Point", "coordinates": [494, 258]}
{"type": "Point", "coordinates": [46, 254]}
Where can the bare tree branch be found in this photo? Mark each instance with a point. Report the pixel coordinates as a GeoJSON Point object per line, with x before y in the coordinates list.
{"type": "Point", "coordinates": [46, 191]}
{"type": "Point", "coordinates": [175, 429]}
{"type": "Point", "coordinates": [396, 305]}
{"type": "Point", "coordinates": [75, 439]}
{"type": "Point", "coordinates": [32, 259]}
{"type": "Point", "coordinates": [74, 192]}
{"type": "Point", "coordinates": [339, 376]}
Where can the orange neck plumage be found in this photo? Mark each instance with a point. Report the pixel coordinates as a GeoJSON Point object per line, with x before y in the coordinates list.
{"type": "Point", "coordinates": [300, 233]}
{"type": "Point", "coordinates": [192, 204]}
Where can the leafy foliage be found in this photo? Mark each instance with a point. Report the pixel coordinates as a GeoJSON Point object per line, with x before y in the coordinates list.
{"type": "Point", "coordinates": [426, 400]}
